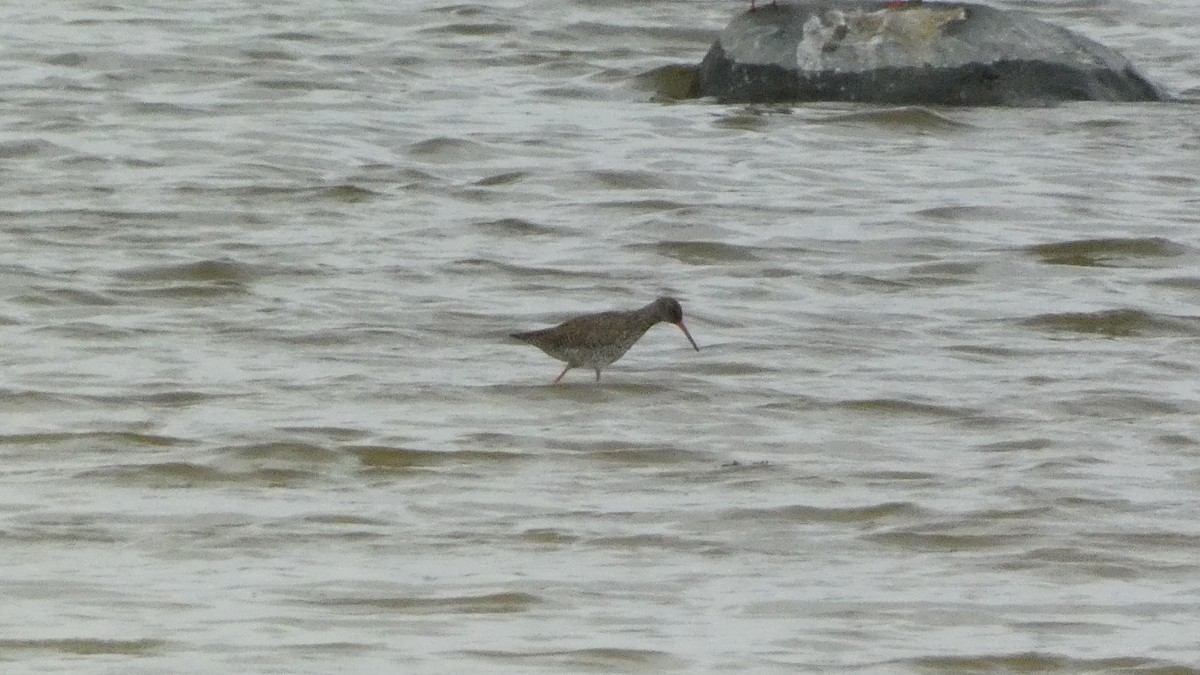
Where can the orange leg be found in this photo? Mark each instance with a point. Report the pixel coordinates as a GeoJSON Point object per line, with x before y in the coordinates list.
{"type": "Point", "coordinates": [560, 375]}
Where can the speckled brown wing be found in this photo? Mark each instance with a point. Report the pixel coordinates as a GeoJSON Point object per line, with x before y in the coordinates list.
{"type": "Point", "coordinates": [602, 333]}
{"type": "Point", "coordinates": [595, 330]}
{"type": "Point", "coordinates": [570, 333]}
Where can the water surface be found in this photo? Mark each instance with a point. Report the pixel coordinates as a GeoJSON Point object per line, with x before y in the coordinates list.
{"type": "Point", "coordinates": [259, 410]}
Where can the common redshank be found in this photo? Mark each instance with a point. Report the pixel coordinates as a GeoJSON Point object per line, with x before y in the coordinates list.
{"type": "Point", "coordinates": [596, 340]}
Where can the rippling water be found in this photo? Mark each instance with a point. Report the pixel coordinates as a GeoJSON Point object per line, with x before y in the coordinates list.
{"type": "Point", "coordinates": [260, 412]}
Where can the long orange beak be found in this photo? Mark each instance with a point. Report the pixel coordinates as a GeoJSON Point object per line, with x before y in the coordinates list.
{"type": "Point", "coordinates": [689, 335]}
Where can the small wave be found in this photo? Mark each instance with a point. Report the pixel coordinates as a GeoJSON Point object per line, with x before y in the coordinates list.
{"type": "Point", "coordinates": [188, 474]}
{"type": "Point", "coordinates": [705, 252]}
{"type": "Point", "coordinates": [644, 206]}
{"type": "Point", "coordinates": [627, 180]}
{"type": "Point", "coordinates": [1189, 284]}
{"type": "Point", "coordinates": [514, 227]}
{"type": "Point", "coordinates": [492, 603]}
{"type": "Point", "coordinates": [300, 453]}
{"type": "Point", "coordinates": [802, 513]}
{"type": "Point", "coordinates": [660, 542]}
{"type": "Point", "coordinates": [892, 406]}
{"type": "Point", "coordinates": [1018, 445]}
{"type": "Point", "coordinates": [219, 271]}
{"type": "Point", "coordinates": [1109, 252]}
{"type": "Point", "coordinates": [482, 29]}
{"type": "Point", "coordinates": [65, 297]}
{"type": "Point", "coordinates": [386, 459]}
{"type": "Point", "coordinates": [95, 440]}
{"type": "Point", "coordinates": [499, 179]}
{"type": "Point", "coordinates": [548, 536]}
{"type": "Point", "coordinates": [477, 267]}
{"type": "Point", "coordinates": [672, 82]}
{"type": "Point", "coordinates": [628, 453]}
{"type": "Point", "coordinates": [445, 149]}
{"type": "Point", "coordinates": [596, 659]}
{"type": "Point", "coordinates": [934, 542]}
{"type": "Point", "coordinates": [84, 646]}
{"type": "Point", "coordinates": [907, 117]}
{"type": "Point", "coordinates": [1117, 323]}
{"type": "Point", "coordinates": [1041, 662]}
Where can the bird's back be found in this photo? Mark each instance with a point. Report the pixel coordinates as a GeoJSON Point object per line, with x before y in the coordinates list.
{"type": "Point", "coordinates": [590, 339]}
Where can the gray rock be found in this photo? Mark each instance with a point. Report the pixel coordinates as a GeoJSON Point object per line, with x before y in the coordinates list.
{"type": "Point", "coordinates": [914, 53]}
